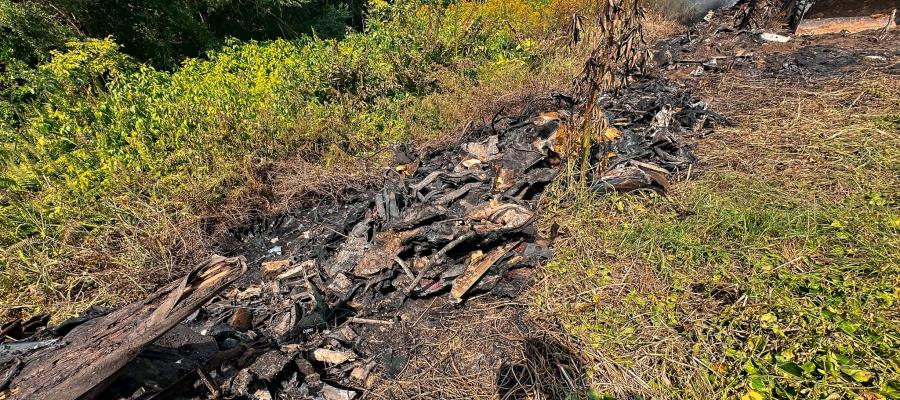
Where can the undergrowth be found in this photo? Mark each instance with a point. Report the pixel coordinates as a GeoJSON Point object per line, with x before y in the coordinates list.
{"type": "Point", "coordinates": [115, 176]}
{"type": "Point", "coordinates": [773, 274]}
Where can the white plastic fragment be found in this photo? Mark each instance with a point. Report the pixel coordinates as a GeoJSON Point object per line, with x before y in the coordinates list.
{"type": "Point", "coordinates": [332, 393]}
{"type": "Point", "coordinates": [774, 37]}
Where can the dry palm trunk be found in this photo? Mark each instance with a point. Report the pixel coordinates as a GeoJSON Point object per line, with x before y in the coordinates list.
{"type": "Point", "coordinates": [620, 54]}
{"type": "Point", "coordinates": [78, 366]}
{"type": "Point", "coordinates": [769, 14]}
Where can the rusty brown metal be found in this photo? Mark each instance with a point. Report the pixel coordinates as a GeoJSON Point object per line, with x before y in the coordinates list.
{"type": "Point", "coordinates": [821, 26]}
{"type": "Point", "coordinates": [832, 16]}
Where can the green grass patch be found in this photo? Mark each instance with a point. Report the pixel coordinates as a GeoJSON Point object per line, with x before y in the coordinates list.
{"type": "Point", "coordinates": [743, 284]}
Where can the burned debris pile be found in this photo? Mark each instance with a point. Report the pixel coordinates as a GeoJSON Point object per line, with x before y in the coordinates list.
{"type": "Point", "coordinates": [310, 318]}
{"type": "Point", "coordinates": [330, 288]}
{"type": "Point", "coordinates": [644, 147]}
{"type": "Point", "coordinates": [770, 44]}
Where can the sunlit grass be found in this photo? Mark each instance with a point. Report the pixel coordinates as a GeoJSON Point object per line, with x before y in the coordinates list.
{"type": "Point", "coordinates": [774, 274]}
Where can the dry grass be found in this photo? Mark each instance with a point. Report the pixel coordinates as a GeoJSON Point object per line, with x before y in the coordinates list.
{"type": "Point", "coordinates": [819, 138]}
{"type": "Point", "coordinates": [487, 350]}
{"type": "Point", "coordinates": [455, 354]}
{"type": "Point", "coordinates": [781, 252]}
{"type": "Point", "coordinates": [617, 305]}
{"type": "Point", "coordinates": [660, 25]}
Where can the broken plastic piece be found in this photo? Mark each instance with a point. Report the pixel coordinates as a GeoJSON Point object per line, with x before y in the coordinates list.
{"type": "Point", "coordinates": [332, 356]}
{"type": "Point", "coordinates": [774, 37]}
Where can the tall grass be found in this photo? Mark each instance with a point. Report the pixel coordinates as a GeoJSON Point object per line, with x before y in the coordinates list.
{"type": "Point", "coordinates": [118, 175]}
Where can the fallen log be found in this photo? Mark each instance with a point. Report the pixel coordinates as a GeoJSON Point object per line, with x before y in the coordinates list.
{"type": "Point", "coordinates": [80, 364]}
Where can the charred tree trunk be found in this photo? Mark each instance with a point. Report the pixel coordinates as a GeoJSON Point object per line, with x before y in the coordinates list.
{"type": "Point", "coordinates": [79, 364]}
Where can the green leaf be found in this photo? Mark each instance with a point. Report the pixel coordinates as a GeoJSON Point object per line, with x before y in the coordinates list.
{"type": "Point", "coordinates": [840, 358]}
{"type": "Point", "coordinates": [752, 395]}
{"type": "Point", "coordinates": [594, 394]}
{"type": "Point", "coordinates": [756, 343]}
{"type": "Point", "coordinates": [768, 318]}
{"type": "Point", "coordinates": [848, 327]}
{"type": "Point", "coordinates": [828, 365]}
{"type": "Point", "coordinates": [792, 369]}
{"type": "Point", "coordinates": [858, 375]}
{"type": "Point", "coordinates": [891, 389]}
{"type": "Point", "coordinates": [886, 297]}
{"type": "Point", "coordinates": [759, 382]}
{"type": "Point", "coordinates": [809, 367]}
{"type": "Point", "coordinates": [750, 367]}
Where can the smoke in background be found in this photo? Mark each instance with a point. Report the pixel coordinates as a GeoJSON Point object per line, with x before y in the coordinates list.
{"type": "Point", "coordinates": [688, 10]}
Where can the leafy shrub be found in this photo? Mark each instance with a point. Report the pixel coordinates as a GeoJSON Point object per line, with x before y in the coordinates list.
{"type": "Point", "coordinates": [110, 145]}
{"type": "Point", "coordinates": [28, 33]}
{"type": "Point", "coordinates": [164, 32]}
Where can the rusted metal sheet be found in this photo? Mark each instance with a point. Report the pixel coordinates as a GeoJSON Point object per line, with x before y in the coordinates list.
{"type": "Point", "coordinates": [831, 16]}
{"type": "Point", "coordinates": [821, 26]}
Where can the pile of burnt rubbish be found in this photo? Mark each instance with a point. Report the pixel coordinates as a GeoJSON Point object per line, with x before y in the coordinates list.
{"type": "Point", "coordinates": [309, 317]}
{"type": "Point", "coordinates": [787, 39]}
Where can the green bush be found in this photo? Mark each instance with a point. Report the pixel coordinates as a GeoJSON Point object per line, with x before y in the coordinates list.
{"type": "Point", "coordinates": [28, 33]}
{"type": "Point", "coordinates": [106, 134]}
{"type": "Point", "coordinates": [164, 32]}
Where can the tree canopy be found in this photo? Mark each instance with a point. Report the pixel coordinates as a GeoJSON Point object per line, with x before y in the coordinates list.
{"type": "Point", "coordinates": [165, 32]}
